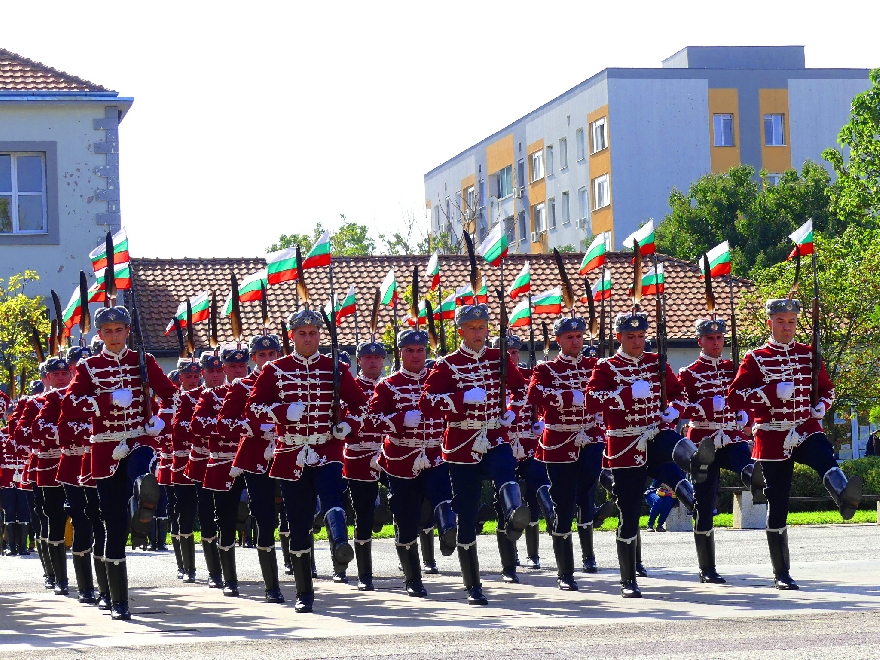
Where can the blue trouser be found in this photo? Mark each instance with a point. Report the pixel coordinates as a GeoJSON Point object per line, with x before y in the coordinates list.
{"type": "Point", "coordinates": [79, 519]}
{"type": "Point", "coordinates": [733, 457]}
{"type": "Point", "coordinates": [815, 452]}
{"type": "Point", "coordinates": [660, 508]}
{"type": "Point", "coordinates": [186, 505]}
{"type": "Point", "coordinates": [39, 521]}
{"type": "Point", "coordinates": [498, 465]}
{"type": "Point", "coordinates": [226, 509]}
{"type": "Point", "coordinates": [207, 513]}
{"type": "Point", "coordinates": [162, 506]}
{"type": "Point", "coordinates": [406, 497]}
{"type": "Point", "coordinates": [93, 512]}
{"type": "Point", "coordinates": [261, 501]}
{"type": "Point", "coordinates": [629, 483]}
{"type": "Point", "coordinates": [322, 481]}
{"type": "Point", "coordinates": [114, 493]}
{"type": "Point", "coordinates": [16, 506]}
{"type": "Point", "coordinates": [363, 496]}
{"type": "Point", "coordinates": [567, 479]}
{"type": "Point", "coordinates": [534, 474]}
{"type": "Point", "coordinates": [173, 526]}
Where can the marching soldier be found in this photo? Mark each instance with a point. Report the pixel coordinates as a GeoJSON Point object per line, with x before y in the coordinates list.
{"type": "Point", "coordinates": [626, 389]}
{"type": "Point", "coordinates": [16, 501]}
{"type": "Point", "coordinates": [107, 389]}
{"type": "Point", "coordinates": [296, 394]}
{"type": "Point", "coordinates": [464, 387]}
{"type": "Point", "coordinates": [774, 384]}
{"type": "Point", "coordinates": [705, 384]}
{"type": "Point", "coordinates": [411, 457]}
{"type": "Point", "coordinates": [163, 475]}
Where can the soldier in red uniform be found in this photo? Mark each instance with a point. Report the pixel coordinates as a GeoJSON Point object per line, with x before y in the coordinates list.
{"type": "Point", "coordinates": [625, 388]}
{"type": "Point", "coordinates": [296, 394]}
{"type": "Point", "coordinates": [253, 457]}
{"type": "Point", "coordinates": [464, 388]}
{"type": "Point", "coordinates": [107, 389]}
{"type": "Point", "coordinates": [411, 457]}
{"type": "Point", "coordinates": [774, 384]}
{"type": "Point", "coordinates": [705, 385]}
{"type": "Point", "coordinates": [571, 440]}
{"type": "Point", "coordinates": [17, 502]}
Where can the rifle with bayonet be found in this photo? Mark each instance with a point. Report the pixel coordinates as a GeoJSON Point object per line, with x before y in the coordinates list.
{"type": "Point", "coordinates": [336, 408]}
{"type": "Point", "coordinates": [137, 340]}
{"type": "Point", "coordinates": [502, 345]}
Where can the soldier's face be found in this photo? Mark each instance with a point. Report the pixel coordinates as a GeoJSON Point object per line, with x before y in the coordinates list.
{"type": "Point", "coordinates": [190, 380]}
{"type": "Point", "coordinates": [59, 380]}
{"type": "Point", "coordinates": [213, 377]}
{"type": "Point", "coordinates": [235, 370]}
{"type": "Point", "coordinates": [262, 357]}
{"type": "Point", "coordinates": [712, 344]}
{"type": "Point", "coordinates": [371, 365]}
{"type": "Point", "coordinates": [633, 342]}
{"type": "Point", "coordinates": [513, 354]}
{"type": "Point", "coordinates": [783, 326]}
{"type": "Point", "coordinates": [570, 343]}
{"type": "Point", "coordinates": [474, 334]}
{"type": "Point", "coordinates": [114, 336]}
{"type": "Point", "coordinates": [306, 339]}
{"type": "Point", "coordinates": [413, 358]}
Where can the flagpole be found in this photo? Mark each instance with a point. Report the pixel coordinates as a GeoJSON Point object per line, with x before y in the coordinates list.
{"type": "Point", "coordinates": [357, 336]}
{"type": "Point", "coordinates": [734, 343]}
{"type": "Point", "coordinates": [442, 323]}
{"type": "Point", "coordinates": [396, 350]}
{"type": "Point", "coordinates": [532, 359]}
{"type": "Point", "coordinates": [602, 314]}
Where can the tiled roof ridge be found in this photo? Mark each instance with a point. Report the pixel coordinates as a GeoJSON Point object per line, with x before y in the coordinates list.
{"type": "Point", "coordinates": [93, 87]}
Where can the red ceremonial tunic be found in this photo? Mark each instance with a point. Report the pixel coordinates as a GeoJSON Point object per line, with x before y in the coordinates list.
{"type": "Point", "coordinates": [204, 422]}
{"type": "Point", "coordinates": [567, 427]}
{"type": "Point", "coordinates": [166, 449]}
{"type": "Point", "coordinates": [5, 404]}
{"type": "Point", "coordinates": [46, 440]}
{"type": "Point", "coordinates": [23, 437]}
{"type": "Point", "coordinates": [630, 423]}
{"type": "Point", "coordinates": [254, 443]}
{"type": "Point", "coordinates": [702, 380]}
{"type": "Point", "coordinates": [90, 395]}
{"type": "Point", "coordinates": [309, 381]}
{"type": "Point", "coordinates": [443, 397]}
{"type": "Point", "coordinates": [403, 445]}
{"type": "Point", "coordinates": [15, 456]}
{"type": "Point", "coordinates": [520, 432]}
{"type": "Point", "coordinates": [75, 466]}
{"type": "Point", "coordinates": [363, 447]}
{"type": "Point", "coordinates": [181, 435]}
{"type": "Point", "coordinates": [779, 426]}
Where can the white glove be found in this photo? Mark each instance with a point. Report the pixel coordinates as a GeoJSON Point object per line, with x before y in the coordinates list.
{"type": "Point", "coordinates": [154, 426]}
{"type": "Point", "coordinates": [577, 398]}
{"type": "Point", "coordinates": [16, 477]}
{"type": "Point", "coordinates": [669, 415]}
{"type": "Point", "coordinates": [235, 471]}
{"type": "Point", "coordinates": [120, 451]}
{"type": "Point", "coordinates": [475, 395]}
{"type": "Point", "coordinates": [507, 418]}
{"type": "Point", "coordinates": [269, 453]}
{"type": "Point", "coordinates": [295, 411]}
{"type": "Point", "coordinates": [641, 389]}
{"type": "Point", "coordinates": [785, 390]}
{"type": "Point", "coordinates": [341, 430]}
{"type": "Point", "coordinates": [818, 411]}
{"type": "Point", "coordinates": [538, 428]}
{"type": "Point", "coordinates": [742, 418]}
{"type": "Point", "coordinates": [122, 397]}
{"type": "Point", "coordinates": [718, 403]}
{"type": "Point", "coordinates": [412, 418]}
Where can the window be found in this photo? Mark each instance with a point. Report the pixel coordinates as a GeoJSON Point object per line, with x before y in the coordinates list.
{"type": "Point", "coordinates": [551, 213]}
{"type": "Point", "coordinates": [523, 230]}
{"type": "Point", "coordinates": [773, 179]}
{"type": "Point", "coordinates": [579, 139]}
{"type": "Point", "coordinates": [521, 174]}
{"type": "Point", "coordinates": [563, 153]}
{"type": "Point", "coordinates": [470, 199]}
{"type": "Point", "coordinates": [504, 182]}
{"type": "Point", "coordinates": [598, 136]}
{"type": "Point", "coordinates": [582, 203]}
{"type": "Point", "coordinates": [538, 217]}
{"type": "Point", "coordinates": [723, 125]}
{"type": "Point", "coordinates": [510, 230]}
{"type": "Point", "coordinates": [22, 193]}
{"type": "Point", "coordinates": [566, 217]}
{"type": "Point", "coordinates": [774, 130]}
{"type": "Point", "coordinates": [549, 158]}
{"type": "Point", "coordinates": [601, 192]}
{"type": "Point", "coordinates": [537, 165]}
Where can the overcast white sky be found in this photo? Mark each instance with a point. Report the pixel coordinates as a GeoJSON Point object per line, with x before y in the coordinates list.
{"type": "Point", "coordinates": [255, 119]}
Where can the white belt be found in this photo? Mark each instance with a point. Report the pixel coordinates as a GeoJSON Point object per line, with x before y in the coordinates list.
{"type": "Point", "coordinates": [169, 411]}
{"type": "Point", "coordinates": [414, 443]}
{"type": "Point", "coordinates": [52, 453]}
{"type": "Point", "coordinates": [645, 434]}
{"type": "Point", "coordinates": [292, 440]}
{"type": "Point", "coordinates": [364, 446]}
{"type": "Point", "coordinates": [183, 453]}
{"type": "Point", "coordinates": [76, 451]}
{"type": "Point", "coordinates": [165, 456]}
{"type": "Point", "coordinates": [222, 455]}
{"type": "Point", "coordinates": [571, 428]}
{"type": "Point", "coordinates": [777, 426]}
{"type": "Point", "coordinates": [117, 436]}
{"type": "Point", "coordinates": [12, 467]}
{"type": "Point", "coordinates": [713, 426]}
{"type": "Point", "coordinates": [475, 424]}
{"type": "Point", "coordinates": [199, 450]}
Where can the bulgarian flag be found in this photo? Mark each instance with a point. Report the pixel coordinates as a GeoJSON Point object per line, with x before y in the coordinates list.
{"type": "Point", "coordinates": [434, 269]}
{"type": "Point", "coordinates": [645, 236]}
{"type": "Point", "coordinates": [447, 309]}
{"type": "Point", "coordinates": [423, 315]}
{"type": "Point", "coordinates": [319, 255]}
{"type": "Point", "coordinates": [120, 251]}
{"type": "Point", "coordinates": [494, 246]}
{"type": "Point", "coordinates": [344, 308]}
{"type": "Point", "coordinates": [123, 281]}
{"type": "Point", "coordinates": [803, 236]}
{"type": "Point", "coordinates": [388, 289]}
{"type": "Point", "coordinates": [719, 260]}
{"type": "Point", "coordinates": [249, 290]}
{"type": "Point", "coordinates": [73, 312]}
{"type": "Point", "coordinates": [523, 282]}
{"type": "Point", "coordinates": [653, 281]}
{"type": "Point", "coordinates": [465, 296]}
{"type": "Point", "coordinates": [549, 302]}
{"type": "Point", "coordinates": [520, 315]}
{"type": "Point", "coordinates": [281, 266]}
{"type": "Point", "coordinates": [595, 256]}
{"type": "Point", "coordinates": [201, 309]}
{"type": "Point", "coordinates": [601, 290]}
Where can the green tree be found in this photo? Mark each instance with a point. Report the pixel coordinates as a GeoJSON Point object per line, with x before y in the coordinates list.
{"type": "Point", "coordinates": [856, 196]}
{"type": "Point", "coordinates": [349, 240]}
{"type": "Point", "coordinates": [20, 314]}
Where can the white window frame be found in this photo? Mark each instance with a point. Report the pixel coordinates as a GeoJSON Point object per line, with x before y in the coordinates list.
{"type": "Point", "coordinates": [718, 120]}
{"type": "Point", "coordinates": [536, 165]}
{"type": "Point", "coordinates": [601, 192]}
{"type": "Point", "coordinates": [583, 203]}
{"type": "Point", "coordinates": [551, 213]}
{"type": "Point", "coordinates": [539, 221]}
{"type": "Point", "coordinates": [581, 146]}
{"type": "Point", "coordinates": [566, 211]}
{"type": "Point", "coordinates": [15, 194]}
{"type": "Point", "coordinates": [563, 153]}
{"type": "Point", "coordinates": [522, 226]}
{"type": "Point", "coordinates": [773, 179]}
{"type": "Point", "coordinates": [770, 117]}
{"type": "Point", "coordinates": [502, 191]}
{"type": "Point", "coordinates": [548, 161]}
{"type": "Point", "coordinates": [598, 128]}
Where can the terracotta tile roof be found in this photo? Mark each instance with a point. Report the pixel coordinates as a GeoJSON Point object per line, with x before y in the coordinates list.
{"type": "Point", "coordinates": [162, 284]}
{"type": "Point", "coordinates": [19, 74]}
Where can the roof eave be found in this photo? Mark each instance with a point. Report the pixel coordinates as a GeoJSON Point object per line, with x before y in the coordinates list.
{"type": "Point", "coordinates": [63, 97]}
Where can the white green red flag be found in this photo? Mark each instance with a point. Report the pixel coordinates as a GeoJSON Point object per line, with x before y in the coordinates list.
{"type": "Point", "coordinates": [653, 282]}
{"type": "Point", "coordinates": [602, 288]}
{"type": "Point", "coordinates": [249, 290]}
{"type": "Point", "coordinates": [122, 274]}
{"type": "Point", "coordinates": [388, 289]}
{"type": "Point", "coordinates": [120, 251]}
{"type": "Point", "coordinates": [348, 306]}
{"type": "Point", "coordinates": [72, 314]}
{"type": "Point", "coordinates": [520, 315]}
{"type": "Point", "coordinates": [434, 269]}
{"type": "Point", "coordinates": [645, 236]}
{"type": "Point", "coordinates": [281, 266]}
{"type": "Point", "coordinates": [719, 260]}
{"type": "Point", "coordinates": [465, 295]}
{"type": "Point", "coordinates": [201, 310]}
{"type": "Point", "coordinates": [423, 315]}
{"type": "Point", "coordinates": [319, 255]}
{"type": "Point", "coordinates": [549, 302]}
{"type": "Point", "coordinates": [523, 282]}
{"type": "Point", "coordinates": [494, 246]}
{"type": "Point", "coordinates": [447, 308]}
{"type": "Point", "coordinates": [803, 237]}
{"type": "Point", "coordinates": [595, 256]}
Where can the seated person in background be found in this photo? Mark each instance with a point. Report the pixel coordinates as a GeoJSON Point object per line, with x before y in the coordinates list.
{"type": "Point", "coordinates": [661, 499]}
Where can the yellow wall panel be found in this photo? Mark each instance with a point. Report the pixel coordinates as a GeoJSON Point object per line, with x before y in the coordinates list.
{"type": "Point", "coordinates": [499, 154]}
{"type": "Point", "coordinates": [775, 101]}
{"type": "Point", "coordinates": [724, 101]}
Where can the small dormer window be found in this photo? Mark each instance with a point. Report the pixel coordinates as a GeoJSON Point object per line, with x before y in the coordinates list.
{"type": "Point", "coordinates": [22, 193]}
